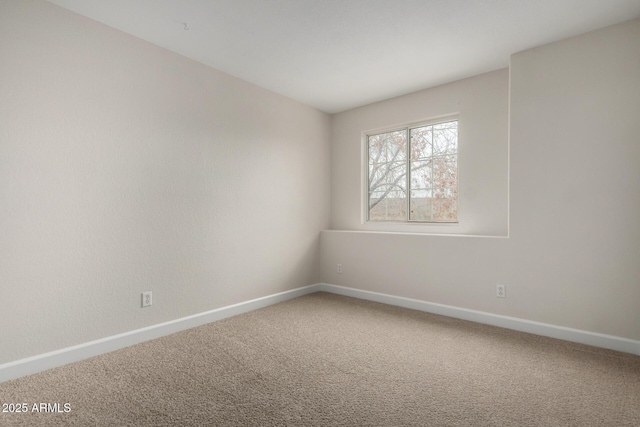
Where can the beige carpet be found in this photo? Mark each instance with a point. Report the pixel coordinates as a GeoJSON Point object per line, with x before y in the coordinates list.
{"type": "Point", "coordinates": [327, 360]}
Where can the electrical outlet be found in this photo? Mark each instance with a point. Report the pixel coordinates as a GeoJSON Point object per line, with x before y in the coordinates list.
{"type": "Point", "coordinates": [146, 299]}
{"type": "Point", "coordinates": [339, 268]}
{"type": "Point", "coordinates": [501, 291]}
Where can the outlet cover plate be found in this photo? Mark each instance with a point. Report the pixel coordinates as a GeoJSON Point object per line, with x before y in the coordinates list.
{"type": "Point", "coordinates": [147, 299]}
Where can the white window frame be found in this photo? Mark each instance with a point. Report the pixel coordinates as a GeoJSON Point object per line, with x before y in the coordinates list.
{"type": "Point", "coordinates": [365, 171]}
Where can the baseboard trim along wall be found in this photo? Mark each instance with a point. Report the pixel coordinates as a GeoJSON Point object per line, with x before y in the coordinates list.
{"type": "Point", "coordinates": [32, 365]}
{"type": "Point", "coordinates": [41, 362]}
{"type": "Point", "coordinates": [568, 334]}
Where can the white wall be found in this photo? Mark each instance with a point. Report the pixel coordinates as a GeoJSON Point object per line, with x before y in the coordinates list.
{"type": "Point", "coordinates": [482, 106]}
{"type": "Point", "coordinates": [125, 168]}
{"type": "Point", "coordinates": [572, 255]}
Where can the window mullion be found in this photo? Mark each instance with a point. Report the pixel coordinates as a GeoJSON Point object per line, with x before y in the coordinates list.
{"type": "Point", "coordinates": [431, 175]}
{"type": "Point", "coordinates": [408, 165]}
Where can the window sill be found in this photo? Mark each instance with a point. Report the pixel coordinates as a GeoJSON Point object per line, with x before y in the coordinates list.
{"type": "Point", "coordinates": [425, 233]}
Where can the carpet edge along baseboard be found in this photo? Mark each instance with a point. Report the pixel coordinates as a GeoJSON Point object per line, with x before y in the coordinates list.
{"type": "Point", "coordinates": [41, 362]}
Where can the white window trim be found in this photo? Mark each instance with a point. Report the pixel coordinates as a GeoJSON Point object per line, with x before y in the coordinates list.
{"type": "Point", "coordinates": [364, 202]}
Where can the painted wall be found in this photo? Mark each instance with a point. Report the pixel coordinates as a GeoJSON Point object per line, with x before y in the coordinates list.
{"type": "Point", "coordinates": [125, 168]}
{"type": "Point", "coordinates": [571, 258]}
{"type": "Point", "coordinates": [481, 104]}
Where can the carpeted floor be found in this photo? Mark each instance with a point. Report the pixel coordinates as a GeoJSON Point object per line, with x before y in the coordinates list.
{"type": "Point", "coordinates": [328, 360]}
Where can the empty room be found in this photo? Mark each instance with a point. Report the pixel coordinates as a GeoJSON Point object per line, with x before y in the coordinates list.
{"type": "Point", "coordinates": [320, 212]}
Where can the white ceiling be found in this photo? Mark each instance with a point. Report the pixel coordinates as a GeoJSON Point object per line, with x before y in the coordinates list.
{"type": "Point", "coordinates": [338, 54]}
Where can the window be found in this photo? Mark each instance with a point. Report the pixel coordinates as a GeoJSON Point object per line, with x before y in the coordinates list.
{"type": "Point", "coordinates": [413, 173]}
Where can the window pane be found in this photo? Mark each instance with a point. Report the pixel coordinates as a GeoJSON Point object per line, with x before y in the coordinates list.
{"type": "Point", "coordinates": [387, 147]}
{"type": "Point", "coordinates": [445, 138]}
{"type": "Point", "coordinates": [445, 209]}
{"type": "Point", "coordinates": [421, 205]}
{"type": "Point", "coordinates": [421, 139]}
{"type": "Point", "coordinates": [387, 176]}
{"type": "Point", "coordinates": [445, 171]}
{"type": "Point", "coordinates": [421, 174]}
{"type": "Point", "coordinates": [445, 193]}
{"type": "Point", "coordinates": [391, 207]}
{"type": "Point", "coordinates": [434, 172]}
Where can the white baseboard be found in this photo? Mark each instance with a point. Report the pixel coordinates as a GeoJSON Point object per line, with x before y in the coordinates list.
{"type": "Point", "coordinates": [41, 362]}
{"type": "Point", "coordinates": [568, 334]}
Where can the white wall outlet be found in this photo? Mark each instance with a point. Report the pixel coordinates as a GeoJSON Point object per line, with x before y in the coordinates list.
{"type": "Point", "coordinates": [501, 291]}
{"type": "Point", "coordinates": [146, 299]}
{"type": "Point", "coordinates": [339, 268]}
